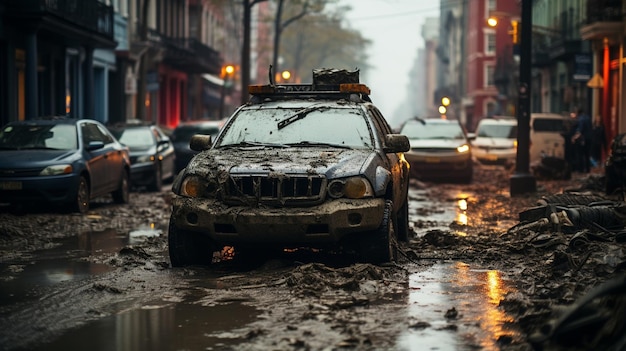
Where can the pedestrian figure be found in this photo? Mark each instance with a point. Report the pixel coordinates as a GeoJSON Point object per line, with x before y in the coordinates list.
{"type": "Point", "coordinates": [598, 141]}
{"type": "Point", "coordinates": [569, 129]}
{"type": "Point", "coordinates": [582, 142]}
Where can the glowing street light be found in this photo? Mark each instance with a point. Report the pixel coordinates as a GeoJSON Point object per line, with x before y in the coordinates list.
{"type": "Point", "coordinates": [286, 75]}
{"type": "Point", "coordinates": [445, 101]}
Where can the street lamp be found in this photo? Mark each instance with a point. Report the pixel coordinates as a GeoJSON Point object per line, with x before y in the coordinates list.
{"type": "Point", "coordinates": [285, 75]}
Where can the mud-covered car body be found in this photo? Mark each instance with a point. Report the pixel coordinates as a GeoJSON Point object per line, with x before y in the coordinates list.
{"type": "Point", "coordinates": [615, 165]}
{"type": "Point", "coordinates": [294, 169]}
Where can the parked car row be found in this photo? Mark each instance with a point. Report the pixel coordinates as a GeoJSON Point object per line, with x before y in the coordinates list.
{"type": "Point", "coordinates": [69, 162]}
{"type": "Point", "coordinates": [442, 149]}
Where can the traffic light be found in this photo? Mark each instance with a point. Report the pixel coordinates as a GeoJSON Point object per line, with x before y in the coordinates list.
{"type": "Point", "coordinates": [514, 32]}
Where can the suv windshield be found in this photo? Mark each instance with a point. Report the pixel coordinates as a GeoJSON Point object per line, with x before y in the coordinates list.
{"type": "Point", "coordinates": [508, 131]}
{"type": "Point", "coordinates": [346, 127]}
{"type": "Point", "coordinates": [417, 130]}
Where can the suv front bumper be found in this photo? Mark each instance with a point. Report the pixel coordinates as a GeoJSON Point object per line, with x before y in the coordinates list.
{"type": "Point", "coordinates": [328, 222]}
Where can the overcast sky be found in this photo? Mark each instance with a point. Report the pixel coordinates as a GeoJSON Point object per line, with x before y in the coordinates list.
{"type": "Point", "coordinates": [395, 29]}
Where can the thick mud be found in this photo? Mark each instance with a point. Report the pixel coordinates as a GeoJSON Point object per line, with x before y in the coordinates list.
{"type": "Point", "coordinates": [471, 277]}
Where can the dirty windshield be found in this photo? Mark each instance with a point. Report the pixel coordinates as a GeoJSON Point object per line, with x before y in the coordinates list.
{"type": "Point", "coordinates": [334, 126]}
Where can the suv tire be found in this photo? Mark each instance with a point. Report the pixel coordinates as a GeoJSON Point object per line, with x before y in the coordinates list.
{"type": "Point", "coordinates": [189, 248]}
{"type": "Point", "coordinates": [379, 246]}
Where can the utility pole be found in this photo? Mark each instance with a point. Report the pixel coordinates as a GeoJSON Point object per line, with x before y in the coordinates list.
{"type": "Point", "coordinates": [522, 181]}
{"type": "Point", "coordinates": [245, 51]}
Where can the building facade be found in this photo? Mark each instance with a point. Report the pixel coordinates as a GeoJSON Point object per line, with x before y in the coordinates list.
{"type": "Point", "coordinates": [604, 28]}
{"type": "Point", "coordinates": [490, 65]}
{"type": "Point", "coordinates": [113, 60]}
{"type": "Point", "coordinates": [55, 58]}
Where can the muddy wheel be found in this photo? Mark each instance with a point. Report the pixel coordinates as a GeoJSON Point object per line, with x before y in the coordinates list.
{"type": "Point", "coordinates": [121, 195]}
{"type": "Point", "coordinates": [189, 248]}
{"type": "Point", "coordinates": [157, 183]}
{"type": "Point", "coordinates": [401, 224]}
{"type": "Point", "coordinates": [81, 202]}
{"type": "Point", "coordinates": [379, 246]}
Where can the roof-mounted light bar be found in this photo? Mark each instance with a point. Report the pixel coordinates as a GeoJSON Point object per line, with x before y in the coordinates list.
{"type": "Point", "coordinates": [346, 88]}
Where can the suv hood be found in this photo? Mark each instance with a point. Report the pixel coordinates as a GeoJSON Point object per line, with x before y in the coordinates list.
{"type": "Point", "coordinates": [331, 162]}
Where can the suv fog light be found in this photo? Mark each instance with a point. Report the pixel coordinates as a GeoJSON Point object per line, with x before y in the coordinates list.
{"type": "Point", "coordinates": [192, 218]}
{"type": "Point", "coordinates": [354, 218]}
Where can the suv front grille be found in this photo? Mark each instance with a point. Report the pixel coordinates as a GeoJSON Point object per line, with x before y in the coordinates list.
{"type": "Point", "coordinates": [275, 190]}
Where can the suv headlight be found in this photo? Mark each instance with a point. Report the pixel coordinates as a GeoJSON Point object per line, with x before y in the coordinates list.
{"type": "Point", "coordinates": [195, 186]}
{"type": "Point", "coordinates": [352, 188]}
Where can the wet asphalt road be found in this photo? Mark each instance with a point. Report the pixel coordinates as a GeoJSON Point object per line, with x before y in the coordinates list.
{"type": "Point", "coordinates": [113, 289]}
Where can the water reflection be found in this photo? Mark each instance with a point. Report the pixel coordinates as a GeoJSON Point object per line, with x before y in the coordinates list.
{"type": "Point", "coordinates": [475, 294]}
{"type": "Point", "coordinates": [162, 326]}
{"type": "Point", "coordinates": [61, 262]}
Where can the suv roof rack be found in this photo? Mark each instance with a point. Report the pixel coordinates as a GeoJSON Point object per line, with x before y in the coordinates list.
{"type": "Point", "coordinates": [327, 84]}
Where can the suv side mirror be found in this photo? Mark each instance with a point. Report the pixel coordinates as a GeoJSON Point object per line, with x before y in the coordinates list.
{"type": "Point", "coordinates": [200, 142]}
{"type": "Point", "coordinates": [396, 143]}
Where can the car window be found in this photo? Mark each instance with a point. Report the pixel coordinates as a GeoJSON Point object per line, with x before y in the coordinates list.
{"type": "Point", "coordinates": [497, 131]}
{"type": "Point", "coordinates": [417, 130]}
{"type": "Point", "coordinates": [50, 136]}
{"type": "Point", "coordinates": [548, 125]}
{"type": "Point", "coordinates": [382, 127]}
{"type": "Point", "coordinates": [92, 132]}
{"type": "Point", "coordinates": [341, 126]}
{"type": "Point", "coordinates": [135, 137]}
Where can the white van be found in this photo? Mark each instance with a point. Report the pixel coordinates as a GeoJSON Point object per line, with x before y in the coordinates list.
{"type": "Point", "coordinates": [546, 135]}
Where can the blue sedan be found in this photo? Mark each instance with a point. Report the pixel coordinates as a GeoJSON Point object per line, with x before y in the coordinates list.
{"type": "Point", "coordinates": [61, 161]}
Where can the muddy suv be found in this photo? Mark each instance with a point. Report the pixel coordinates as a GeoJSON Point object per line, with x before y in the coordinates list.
{"type": "Point", "coordinates": [299, 166]}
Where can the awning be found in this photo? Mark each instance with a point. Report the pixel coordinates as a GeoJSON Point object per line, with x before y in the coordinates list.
{"type": "Point", "coordinates": [213, 79]}
{"type": "Point", "coordinates": [596, 82]}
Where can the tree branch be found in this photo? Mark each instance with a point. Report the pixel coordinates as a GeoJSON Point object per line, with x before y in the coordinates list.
{"type": "Point", "coordinates": [296, 17]}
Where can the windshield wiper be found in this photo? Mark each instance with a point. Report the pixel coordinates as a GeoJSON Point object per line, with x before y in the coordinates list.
{"type": "Point", "coordinates": [253, 143]}
{"type": "Point", "coordinates": [316, 143]}
{"type": "Point", "coordinates": [299, 115]}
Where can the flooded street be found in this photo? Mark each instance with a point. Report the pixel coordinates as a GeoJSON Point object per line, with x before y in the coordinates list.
{"type": "Point", "coordinates": [113, 289]}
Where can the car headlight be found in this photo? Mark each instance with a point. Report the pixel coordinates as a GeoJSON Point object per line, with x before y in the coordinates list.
{"type": "Point", "coordinates": [352, 188]}
{"type": "Point", "coordinates": [57, 169]}
{"type": "Point", "coordinates": [463, 149]}
{"type": "Point", "coordinates": [195, 186]}
{"type": "Point", "coordinates": [145, 158]}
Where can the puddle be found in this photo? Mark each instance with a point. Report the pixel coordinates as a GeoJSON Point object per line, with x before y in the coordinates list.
{"type": "Point", "coordinates": [427, 215]}
{"type": "Point", "coordinates": [24, 279]}
{"type": "Point", "coordinates": [473, 294]}
{"type": "Point", "coordinates": [162, 326]}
